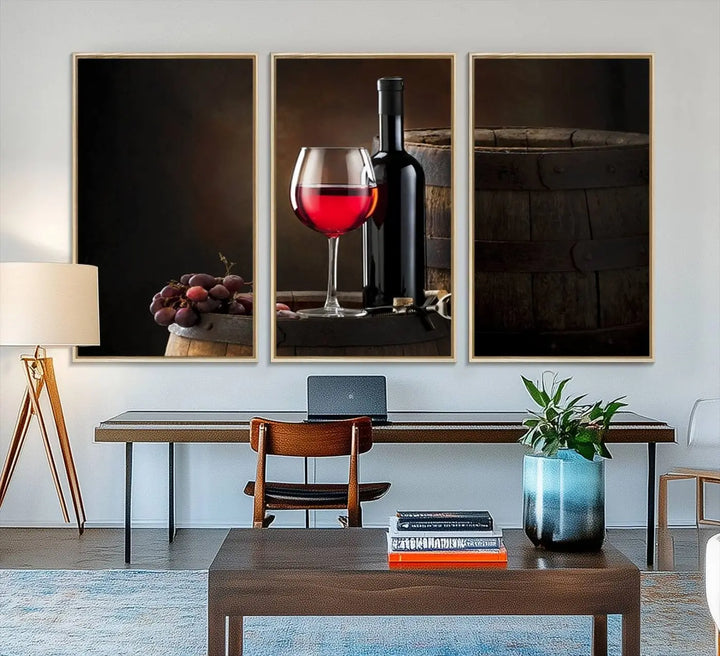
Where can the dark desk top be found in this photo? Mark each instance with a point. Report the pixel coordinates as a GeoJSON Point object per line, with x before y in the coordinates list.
{"type": "Point", "coordinates": [402, 427]}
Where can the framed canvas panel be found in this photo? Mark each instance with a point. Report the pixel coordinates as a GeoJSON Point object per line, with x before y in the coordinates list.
{"type": "Point", "coordinates": [561, 207]}
{"type": "Point", "coordinates": [164, 187]}
{"type": "Point", "coordinates": [332, 100]}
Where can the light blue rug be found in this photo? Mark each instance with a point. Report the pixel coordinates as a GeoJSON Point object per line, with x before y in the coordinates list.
{"type": "Point", "coordinates": [129, 612]}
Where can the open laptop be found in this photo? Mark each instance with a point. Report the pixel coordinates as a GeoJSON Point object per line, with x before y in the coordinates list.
{"type": "Point", "coordinates": [342, 397]}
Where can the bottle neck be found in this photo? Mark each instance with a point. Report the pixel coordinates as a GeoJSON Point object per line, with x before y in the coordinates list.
{"type": "Point", "coordinates": [391, 132]}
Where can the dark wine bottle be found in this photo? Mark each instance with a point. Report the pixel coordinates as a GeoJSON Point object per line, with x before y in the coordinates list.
{"type": "Point", "coordinates": [394, 237]}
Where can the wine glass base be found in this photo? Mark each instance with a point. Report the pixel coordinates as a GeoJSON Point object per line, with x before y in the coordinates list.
{"type": "Point", "coordinates": [331, 313]}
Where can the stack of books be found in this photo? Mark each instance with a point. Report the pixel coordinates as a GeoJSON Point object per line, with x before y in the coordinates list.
{"type": "Point", "coordinates": [445, 538]}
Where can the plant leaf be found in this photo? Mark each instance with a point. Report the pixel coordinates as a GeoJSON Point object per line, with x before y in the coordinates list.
{"type": "Point", "coordinates": [558, 393]}
{"type": "Point", "coordinates": [534, 392]}
{"type": "Point", "coordinates": [586, 451]}
{"type": "Point", "coordinates": [586, 436]}
{"type": "Point", "coordinates": [576, 400]}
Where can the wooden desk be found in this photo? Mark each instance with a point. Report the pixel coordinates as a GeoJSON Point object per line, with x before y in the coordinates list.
{"type": "Point", "coordinates": [278, 572]}
{"type": "Point", "coordinates": [402, 427]}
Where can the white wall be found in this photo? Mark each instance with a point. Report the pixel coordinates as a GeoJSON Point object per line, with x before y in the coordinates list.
{"type": "Point", "coordinates": [36, 41]}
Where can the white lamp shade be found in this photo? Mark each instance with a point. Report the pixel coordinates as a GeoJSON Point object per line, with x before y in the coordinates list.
{"type": "Point", "coordinates": [48, 304]}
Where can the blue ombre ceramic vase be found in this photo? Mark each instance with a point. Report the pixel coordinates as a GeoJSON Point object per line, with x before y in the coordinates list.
{"type": "Point", "coordinates": [564, 501]}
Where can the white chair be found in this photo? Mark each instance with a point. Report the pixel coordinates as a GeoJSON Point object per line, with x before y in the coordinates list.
{"type": "Point", "coordinates": [703, 430]}
{"type": "Point", "coordinates": [712, 583]}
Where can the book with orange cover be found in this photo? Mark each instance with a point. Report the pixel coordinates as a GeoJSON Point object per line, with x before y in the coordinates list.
{"type": "Point", "coordinates": [450, 564]}
{"type": "Point", "coordinates": [449, 557]}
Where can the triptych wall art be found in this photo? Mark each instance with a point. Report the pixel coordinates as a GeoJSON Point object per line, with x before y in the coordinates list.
{"type": "Point", "coordinates": [559, 230]}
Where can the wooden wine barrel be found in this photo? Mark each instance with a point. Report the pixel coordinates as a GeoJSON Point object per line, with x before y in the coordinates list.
{"type": "Point", "coordinates": [386, 335]}
{"type": "Point", "coordinates": [392, 335]}
{"type": "Point", "coordinates": [432, 147]}
{"type": "Point", "coordinates": [562, 251]}
{"type": "Point", "coordinates": [216, 336]}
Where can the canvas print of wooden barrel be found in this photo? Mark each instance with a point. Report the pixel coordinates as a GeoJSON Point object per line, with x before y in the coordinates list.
{"type": "Point", "coordinates": [382, 335]}
{"type": "Point", "coordinates": [432, 147]}
{"type": "Point", "coordinates": [391, 335]}
{"type": "Point", "coordinates": [216, 336]}
{"type": "Point", "coordinates": [561, 250]}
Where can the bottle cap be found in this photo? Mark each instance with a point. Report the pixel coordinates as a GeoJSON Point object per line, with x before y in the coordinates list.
{"type": "Point", "coordinates": [390, 84]}
{"type": "Point", "coordinates": [390, 95]}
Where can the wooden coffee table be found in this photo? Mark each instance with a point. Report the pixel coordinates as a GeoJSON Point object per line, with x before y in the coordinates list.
{"type": "Point", "coordinates": [277, 572]}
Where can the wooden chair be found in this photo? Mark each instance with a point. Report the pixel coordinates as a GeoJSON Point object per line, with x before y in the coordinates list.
{"type": "Point", "coordinates": [349, 437]}
{"type": "Point", "coordinates": [703, 428]}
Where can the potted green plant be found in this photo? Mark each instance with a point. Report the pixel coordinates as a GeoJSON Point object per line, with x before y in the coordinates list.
{"type": "Point", "coordinates": [564, 472]}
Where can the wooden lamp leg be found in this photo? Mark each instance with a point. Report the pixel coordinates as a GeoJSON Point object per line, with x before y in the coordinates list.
{"type": "Point", "coordinates": [52, 390]}
{"type": "Point", "coordinates": [39, 373]}
{"type": "Point", "coordinates": [23, 421]}
{"type": "Point", "coordinates": [35, 383]}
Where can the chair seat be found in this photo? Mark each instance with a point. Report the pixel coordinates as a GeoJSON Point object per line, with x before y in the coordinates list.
{"type": "Point", "coordinates": [330, 495]}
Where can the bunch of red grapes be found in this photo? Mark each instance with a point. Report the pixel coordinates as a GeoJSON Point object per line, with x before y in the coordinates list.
{"type": "Point", "coordinates": [183, 301]}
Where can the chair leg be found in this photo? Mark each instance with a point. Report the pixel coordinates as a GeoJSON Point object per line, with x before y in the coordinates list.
{"type": "Point", "coordinates": [354, 517]}
{"type": "Point", "coordinates": [662, 501]}
{"type": "Point", "coordinates": [699, 500]}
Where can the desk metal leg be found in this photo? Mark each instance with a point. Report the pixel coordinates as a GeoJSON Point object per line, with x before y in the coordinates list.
{"type": "Point", "coordinates": [650, 538]}
{"type": "Point", "coordinates": [128, 496]}
{"type": "Point", "coordinates": [171, 491]}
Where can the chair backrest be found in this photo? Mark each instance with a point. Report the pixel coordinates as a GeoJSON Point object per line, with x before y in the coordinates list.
{"type": "Point", "coordinates": [704, 423]}
{"type": "Point", "coordinates": [311, 439]}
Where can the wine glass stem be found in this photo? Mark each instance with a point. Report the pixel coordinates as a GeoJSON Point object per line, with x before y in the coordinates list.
{"type": "Point", "coordinates": [331, 298]}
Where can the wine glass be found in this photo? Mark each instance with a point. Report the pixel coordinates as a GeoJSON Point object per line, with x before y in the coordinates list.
{"type": "Point", "coordinates": [333, 191]}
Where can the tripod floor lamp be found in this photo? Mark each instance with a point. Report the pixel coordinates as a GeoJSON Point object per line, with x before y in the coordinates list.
{"type": "Point", "coordinates": [61, 309]}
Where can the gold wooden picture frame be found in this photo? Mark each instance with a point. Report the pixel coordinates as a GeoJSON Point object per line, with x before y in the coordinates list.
{"type": "Point", "coordinates": [165, 184]}
{"type": "Point", "coordinates": [560, 246]}
{"type": "Point", "coordinates": [331, 100]}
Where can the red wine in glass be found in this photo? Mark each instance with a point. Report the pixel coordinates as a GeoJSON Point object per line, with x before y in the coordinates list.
{"type": "Point", "coordinates": [333, 191]}
{"type": "Point", "coordinates": [334, 209]}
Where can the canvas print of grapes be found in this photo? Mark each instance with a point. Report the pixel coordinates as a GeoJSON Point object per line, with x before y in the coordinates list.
{"type": "Point", "coordinates": [165, 202]}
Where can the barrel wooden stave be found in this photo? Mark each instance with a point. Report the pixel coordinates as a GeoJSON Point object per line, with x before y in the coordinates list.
{"type": "Point", "coordinates": [385, 335]}
{"type": "Point", "coordinates": [381, 335]}
{"type": "Point", "coordinates": [562, 249]}
{"type": "Point", "coordinates": [216, 336]}
{"type": "Point", "coordinates": [432, 147]}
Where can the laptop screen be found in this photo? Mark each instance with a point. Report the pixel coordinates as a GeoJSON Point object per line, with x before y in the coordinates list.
{"type": "Point", "coordinates": [340, 397]}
